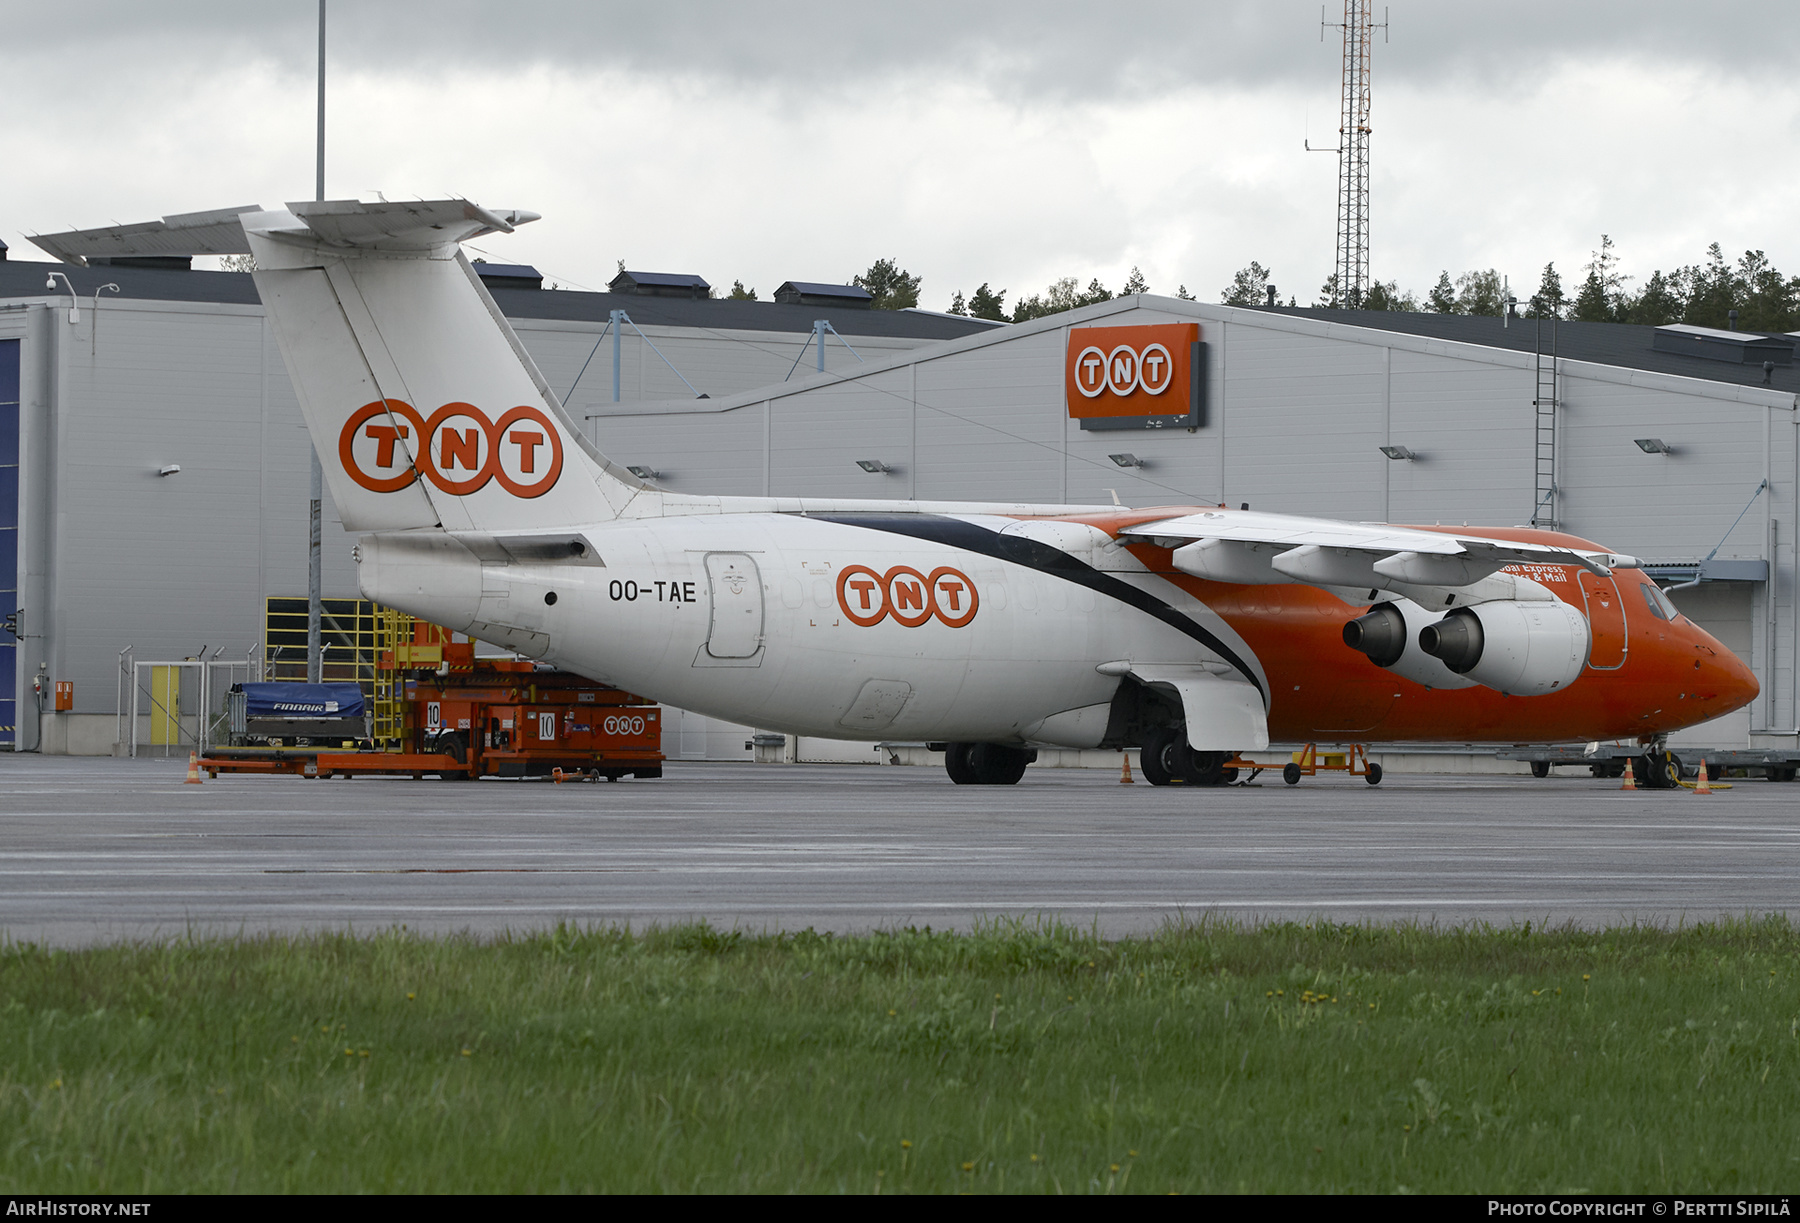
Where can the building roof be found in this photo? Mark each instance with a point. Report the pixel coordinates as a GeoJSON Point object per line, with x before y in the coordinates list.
{"type": "Point", "coordinates": [26, 279]}
{"type": "Point", "coordinates": [1619, 344]}
{"type": "Point", "coordinates": [666, 280]}
{"type": "Point", "coordinates": [820, 289]}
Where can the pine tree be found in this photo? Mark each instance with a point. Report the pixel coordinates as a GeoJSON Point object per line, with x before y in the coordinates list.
{"type": "Point", "coordinates": [888, 283]}
{"type": "Point", "coordinates": [1389, 297]}
{"type": "Point", "coordinates": [1248, 287]}
{"type": "Point", "coordinates": [1548, 301]}
{"type": "Point", "coordinates": [957, 305]}
{"type": "Point", "coordinates": [1711, 290]}
{"type": "Point", "coordinates": [1134, 283]}
{"type": "Point", "coordinates": [1443, 296]}
{"type": "Point", "coordinates": [1094, 293]}
{"type": "Point", "coordinates": [1183, 294]}
{"type": "Point", "coordinates": [1602, 295]}
{"type": "Point", "coordinates": [1659, 303]}
{"type": "Point", "coordinates": [1328, 293]}
{"type": "Point", "coordinates": [1766, 298]}
{"type": "Point", "coordinates": [739, 293]}
{"type": "Point", "coordinates": [988, 304]}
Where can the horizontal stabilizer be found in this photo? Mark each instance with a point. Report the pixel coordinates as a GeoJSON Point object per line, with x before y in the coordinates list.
{"type": "Point", "coordinates": [400, 225]}
{"type": "Point", "coordinates": [188, 233]}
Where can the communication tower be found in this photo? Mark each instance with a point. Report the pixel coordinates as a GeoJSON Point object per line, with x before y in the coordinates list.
{"type": "Point", "coordinates": [1352, 271]}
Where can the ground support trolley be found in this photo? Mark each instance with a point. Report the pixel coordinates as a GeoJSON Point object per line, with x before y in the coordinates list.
{"type": "Point", "coordinates": [1309, 761]}
{"type": "Point", "coordinates": [1655, 769]}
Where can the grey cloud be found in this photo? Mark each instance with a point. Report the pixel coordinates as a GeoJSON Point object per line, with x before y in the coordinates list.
{"type": "Point", "coordinates": [1044, 50]}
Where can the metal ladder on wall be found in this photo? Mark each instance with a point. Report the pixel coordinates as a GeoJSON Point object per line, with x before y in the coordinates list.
{"type": "Point", "coordinates": [1544, 404]}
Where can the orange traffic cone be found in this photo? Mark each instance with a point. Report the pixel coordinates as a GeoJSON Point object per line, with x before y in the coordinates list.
{"type": "Point", "coordinates": [1125, 777]}
{"type": "Point", "coordinates": [1701, 787]}
{"type": "Point", "coordinates": [193, 777]}
{"type": "Point", "coordinates": [1630, 781]}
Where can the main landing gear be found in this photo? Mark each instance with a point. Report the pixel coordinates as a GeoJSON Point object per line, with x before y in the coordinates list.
{"type": "Point", "coordinates": [1167, 759]}
{"type": "Point", "coordinates": [986, 764]}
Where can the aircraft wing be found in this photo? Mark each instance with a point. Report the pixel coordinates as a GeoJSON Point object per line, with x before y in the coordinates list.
{"type": "Point", "coordinates": [1354, 560]}
{"type": "Point", "coordinates": [1378, 538]}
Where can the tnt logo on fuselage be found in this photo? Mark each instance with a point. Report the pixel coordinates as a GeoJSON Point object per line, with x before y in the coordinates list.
{"type": "Point", "coordinates": [386, 445]}
{"type": "Point", "coordinates": [908, 596]}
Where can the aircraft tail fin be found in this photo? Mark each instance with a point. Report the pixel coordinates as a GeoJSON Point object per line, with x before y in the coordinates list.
{"type": "Point", "coordinates": [425, 408]}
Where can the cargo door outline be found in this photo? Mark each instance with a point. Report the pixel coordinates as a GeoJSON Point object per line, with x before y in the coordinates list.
{"type": "Point", "coordinates": [734, 587]}
{"type": "Point", "coordinates": [1606, 621]}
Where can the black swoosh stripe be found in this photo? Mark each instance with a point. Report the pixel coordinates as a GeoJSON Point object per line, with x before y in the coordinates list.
{"type": "Point", "coordinates": [1034, 554]}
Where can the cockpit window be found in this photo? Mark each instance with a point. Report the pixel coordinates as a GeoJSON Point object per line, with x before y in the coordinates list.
{"type": "Point", "coordinates": [1661, 606]}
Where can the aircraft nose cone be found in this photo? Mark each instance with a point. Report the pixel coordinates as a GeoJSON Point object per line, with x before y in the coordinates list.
{"type": "Point", "coordinates": [1737, 683]}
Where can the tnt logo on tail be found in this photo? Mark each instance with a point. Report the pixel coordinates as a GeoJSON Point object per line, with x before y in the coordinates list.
{"type": "Point", "coordinates": [386, 445]}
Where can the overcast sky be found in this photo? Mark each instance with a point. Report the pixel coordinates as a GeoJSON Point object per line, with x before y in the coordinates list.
{"type": "Point", "coordinates": [1010, 143]}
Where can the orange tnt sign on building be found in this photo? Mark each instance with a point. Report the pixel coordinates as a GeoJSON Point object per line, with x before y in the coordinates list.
{"type": "Point", "coordinates": [1148, 377]}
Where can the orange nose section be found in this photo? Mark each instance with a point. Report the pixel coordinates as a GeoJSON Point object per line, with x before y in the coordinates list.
{"type": "Point", "coordinates": [1737, 685]}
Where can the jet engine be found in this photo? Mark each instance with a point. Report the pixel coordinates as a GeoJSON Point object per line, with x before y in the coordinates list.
{"type": "Point", "coordinates": [1389, 635]}
{"type": "Point", "coordinates": [1522, 649]}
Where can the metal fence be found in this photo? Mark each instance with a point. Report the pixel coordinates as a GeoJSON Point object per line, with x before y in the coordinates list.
{"type": "Point", "coordinates": [167, 707]}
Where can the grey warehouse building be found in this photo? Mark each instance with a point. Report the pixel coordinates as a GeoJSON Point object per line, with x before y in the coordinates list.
{"type": "Point", "coordinates": [1675, 445]}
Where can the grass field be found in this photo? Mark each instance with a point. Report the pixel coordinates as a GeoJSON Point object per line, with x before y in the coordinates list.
{"type": "Point", "coordinates": [1208, 1058]}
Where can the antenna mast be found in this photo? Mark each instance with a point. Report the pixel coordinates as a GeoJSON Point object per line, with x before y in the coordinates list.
{"type": "Point", "coordinates": [1352, 271]}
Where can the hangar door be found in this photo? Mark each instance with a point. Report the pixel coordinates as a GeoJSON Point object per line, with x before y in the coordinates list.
{"type": "Point", "coordinates": [737, 605]}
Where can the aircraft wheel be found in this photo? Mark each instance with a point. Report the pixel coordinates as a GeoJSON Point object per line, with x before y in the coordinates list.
{"type": "Point", "coordinates": [1668, 771]}
{"type": "Point", "coordinates": [995, 765]}
{"type": "Point", "coordinates": [1290, 773]}
{"type": "Point", "coordinates": [1153, 761]}
{"type": "Point", "coordinates": [1540, 768]}
{"type": "Point", "coordinates": [1373, 776]}
{"type": "Point", "coordinates": [1200, 768]}
{"type": "Point", "coordinates": [1228, 777]}
{"type": "Point", "coordinates": [957, 763]}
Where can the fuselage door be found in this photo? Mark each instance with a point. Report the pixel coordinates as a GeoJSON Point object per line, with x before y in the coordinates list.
{"type": "Point", "coordinates": [1606, 620]}
{"type": "Point", "coordinates": [737, 605]}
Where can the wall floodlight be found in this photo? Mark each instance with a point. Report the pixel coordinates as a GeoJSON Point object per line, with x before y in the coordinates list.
{"type": "Point", "coordinates": [1399, 453]}
{"type": "Point", "coordinates": [168, 469]}
{"type": "Point", "coordinates": [74, 302]}
{"type": "Point", "coordinates": [645, 473]}
{"type": "Point", "coordinates": [873, 466]}
{"type": "Point", "coordinates": [1126, 460]}
{"type": "Point", "coordinates": [1653, 445]}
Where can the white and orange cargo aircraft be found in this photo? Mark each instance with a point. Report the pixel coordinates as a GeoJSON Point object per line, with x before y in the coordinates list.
{"type": "Point", "coordinates": [1191, 632]}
